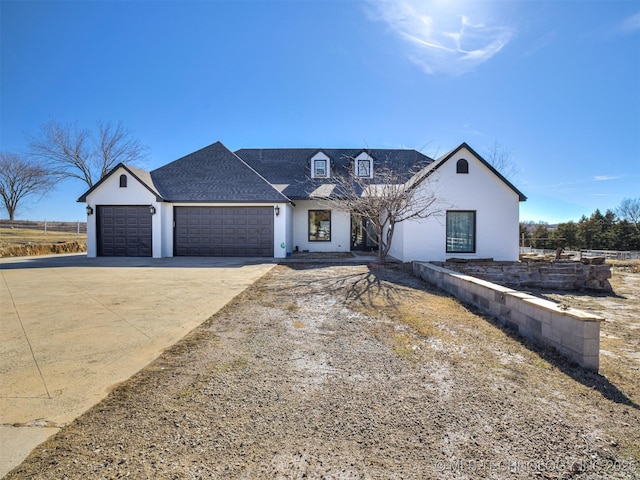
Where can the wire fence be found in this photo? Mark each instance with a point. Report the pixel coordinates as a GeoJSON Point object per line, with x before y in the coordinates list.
{"type": "Point", "coordinates": [608, 254]}
{"type": "Point", "coordinates": [45, 226]}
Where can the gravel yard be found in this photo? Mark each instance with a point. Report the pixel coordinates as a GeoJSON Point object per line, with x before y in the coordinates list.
{"type": "Point", "coordinates": [350, 372]}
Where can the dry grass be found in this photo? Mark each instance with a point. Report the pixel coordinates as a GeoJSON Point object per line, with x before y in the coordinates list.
{"type": "Point", "coordinates": [10, 236]}
{"type": "Point", "coordinates": [631, 266]}
{"type": "Point", "coordinates": [19, 242]}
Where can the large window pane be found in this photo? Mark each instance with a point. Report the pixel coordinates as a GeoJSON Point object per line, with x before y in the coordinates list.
{"type": "Point", "coordinates": [319, 225]}
{"type": "Point", "coordinates": [461, 232]}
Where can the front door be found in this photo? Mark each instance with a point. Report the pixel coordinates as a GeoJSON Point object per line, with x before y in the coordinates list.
{"type": "Point", "coordinates": [362, 234]}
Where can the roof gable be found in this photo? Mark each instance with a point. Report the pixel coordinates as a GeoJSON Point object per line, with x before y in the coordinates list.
{"type": "Point", "coordinates": [213, 174]}
{"type": "Point", "coordinates": [442, 160]}
{"type": "Point", "coordinates": [142, 176]}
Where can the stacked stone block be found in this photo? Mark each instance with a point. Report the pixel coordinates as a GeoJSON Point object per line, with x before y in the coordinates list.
{"type": "Point", "coordinates": [573, 333]}
{"type": "Point", "coordinates": [556, 275]}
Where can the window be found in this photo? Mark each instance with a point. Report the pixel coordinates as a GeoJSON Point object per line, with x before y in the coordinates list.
{"type": "Point", "coordinates": [461, 232]}
{"type": "Point", "coordinates": [364, 168]}
{"type": "Point", "coordinates": [462, 166]}
{"type": "Point", "coordinates": [319, 225]}
{"type": "Point", "coordinates": [319, 168]}
{"type": "Point", "coordinates": [123, 181]}
{"type": "Point", "coordinates": [363, 165]}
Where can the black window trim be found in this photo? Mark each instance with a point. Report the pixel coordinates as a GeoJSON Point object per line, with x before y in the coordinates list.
{"type": "Point", "coordinates": [123, 181]}
{"type": "Point", "coordinates": [361, 161]}
{"type": "Point", "coordinates": [315, 170]}
{"type": "Point", "coordinates": [475, 231]}
{"type": "Point", "coordinates": [309, 225]}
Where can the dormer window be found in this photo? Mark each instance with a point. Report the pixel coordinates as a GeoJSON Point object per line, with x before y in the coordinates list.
{"type": "Point", "coordinates": [320, 166]}
{"type": "Point", "coordinates": [364, 165]}
{"type": "Point", "coordinates": [364, 168]}
{"type": "Point", "coordinates": [123, 181]}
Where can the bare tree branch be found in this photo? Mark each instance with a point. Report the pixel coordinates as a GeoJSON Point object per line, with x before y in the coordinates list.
{"type": "Point", "coordinates": [78, 153]}
{"type": "Point", "coordinates": [500, 158]}
{"type": "Point", "coordinates": [115, 144]}
{"type": "Point", "coordinates": [629, 209]}
{"type": "Point", "coordinates": [387, 199]}
{"type": "Point", "coordinates": [21, 178]}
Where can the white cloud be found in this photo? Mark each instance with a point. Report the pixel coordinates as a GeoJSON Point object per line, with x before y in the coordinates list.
{"type": "Point", "coordinates": [441, 36]}
{"type": "Point", "coordinates": [632, 23]}
{"type": "Point", "coordinates": [601, 178]}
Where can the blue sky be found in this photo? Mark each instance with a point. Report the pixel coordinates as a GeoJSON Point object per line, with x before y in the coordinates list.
{"type": "Point", "coordinates": [557, 83]}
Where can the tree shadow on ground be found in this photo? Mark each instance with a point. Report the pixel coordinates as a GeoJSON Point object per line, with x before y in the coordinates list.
{"type": "Point", "coordinates": [390, 285]}
{"type": "Point", "coordinates": [363, 288]}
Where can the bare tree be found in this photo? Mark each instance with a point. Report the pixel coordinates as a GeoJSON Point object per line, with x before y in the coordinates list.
{"type": "Point", "coordinates": [79, 153]}
{"type": "Point", "coordinates": [500, 158]}
{"type": "Point", "coordinates": [21, 178]}
{"type": "Point", "coordinates": [629, 209]}
{"type": "Point", "coordinates": [387, 199]}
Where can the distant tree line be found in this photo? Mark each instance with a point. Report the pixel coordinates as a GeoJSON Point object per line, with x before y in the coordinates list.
{"type": "Point", "coordinates": [617, 229]}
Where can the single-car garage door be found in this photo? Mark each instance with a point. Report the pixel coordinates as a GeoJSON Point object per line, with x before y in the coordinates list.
{"type": "Point", "coordinates": [224, 231]}
{"type": "Point", "coordinates": [124, 230]}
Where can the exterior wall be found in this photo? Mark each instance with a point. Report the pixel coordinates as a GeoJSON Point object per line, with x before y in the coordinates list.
{"type": "Point", "coordinates": [340, 229]}
{"type": "Point", "coordinates": [280, 244]}
{"type": "Point", "coordinates": [166, 229]}
{"type": "Point", "coordinates": [289, 227]}
{"type": "Point", "coordinates": [397, 242]}
{"type": "Point", "coordinates": [495, 204]}
{"type": "Point", "coordinates": [573, 333]}
{"type": "Point", "coordinates": [110, 193]}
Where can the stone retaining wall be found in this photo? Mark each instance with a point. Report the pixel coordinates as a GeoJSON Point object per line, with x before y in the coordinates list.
{"type": "Point", "coordinates": [557, 275]}
{"type": "Point", "coordinates": [573, 333]}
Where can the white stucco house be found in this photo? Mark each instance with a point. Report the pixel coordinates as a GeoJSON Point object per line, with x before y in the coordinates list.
{"type": "Point", "coordinates": [263, 202]}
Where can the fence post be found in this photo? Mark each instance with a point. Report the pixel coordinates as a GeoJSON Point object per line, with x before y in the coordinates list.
{"type": "Point", "coordinates": [45, 226]}
{"type": "Point", "coordinates": [78, 230]}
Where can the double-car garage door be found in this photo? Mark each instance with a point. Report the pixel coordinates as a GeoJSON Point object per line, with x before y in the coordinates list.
{"type": "Point", "coordinates": [223, 231]}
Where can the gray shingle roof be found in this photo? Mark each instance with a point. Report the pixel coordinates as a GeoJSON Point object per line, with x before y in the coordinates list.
{"type": "Point", "coordinates": [213, 174]}
{"type": "Point", "coordinates": [290, 167]}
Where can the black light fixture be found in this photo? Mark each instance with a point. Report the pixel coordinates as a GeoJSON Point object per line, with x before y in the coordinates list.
{"type": "Point", "coordinates": [277, 210]}
{"type": "Point", "coordinates": [89, 210]}
{"type": "Point", "coordinates": [152, 210]}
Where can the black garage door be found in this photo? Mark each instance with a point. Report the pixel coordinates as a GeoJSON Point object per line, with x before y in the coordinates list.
{"type": "Point", "coordinates": [124, 231]}
{"type": "Point", "coordinates": [224, 231]}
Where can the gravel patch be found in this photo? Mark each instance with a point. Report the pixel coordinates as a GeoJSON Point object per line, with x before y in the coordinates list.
{"type": "Point", "coordinates": [346, 372]}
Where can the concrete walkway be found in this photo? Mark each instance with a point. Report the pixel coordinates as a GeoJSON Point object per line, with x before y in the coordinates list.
{"type": "Point", "coordinates": [72, 327]}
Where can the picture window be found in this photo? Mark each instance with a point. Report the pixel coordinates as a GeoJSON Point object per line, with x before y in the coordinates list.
{"type": "Point", "coordinates": [319, 225]}
{"type": "Point", "coordinates": [461, 232]}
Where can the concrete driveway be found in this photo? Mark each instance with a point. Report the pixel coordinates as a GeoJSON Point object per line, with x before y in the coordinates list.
{"type": "Point", "coordinates": [72, 327]}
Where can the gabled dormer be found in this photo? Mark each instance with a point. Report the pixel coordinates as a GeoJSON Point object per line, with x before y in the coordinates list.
{"type": "Point", "coordinates": [363, 165]}
{"type": "Point", "coordinates": [320, 166]}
